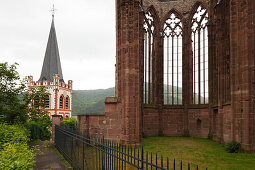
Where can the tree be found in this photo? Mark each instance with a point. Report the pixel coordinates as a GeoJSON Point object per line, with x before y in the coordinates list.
{"type": "Point", "coordinates": [12, 110]}
{"type": "Point", "coordinates": [39, 119]}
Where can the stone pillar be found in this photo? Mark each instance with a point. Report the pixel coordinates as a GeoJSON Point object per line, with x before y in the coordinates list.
{"type": "Point", "coordinates": [56, 119]}
{"type": "Point", "coordinates": [128, 73]}
{"type": "Point", "coordinates": [242, 70]}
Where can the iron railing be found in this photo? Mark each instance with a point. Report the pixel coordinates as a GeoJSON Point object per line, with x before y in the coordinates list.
{"type": "Point", "coordinates": [101, 154]}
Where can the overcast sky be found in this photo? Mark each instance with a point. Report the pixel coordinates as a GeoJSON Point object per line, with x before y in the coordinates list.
{"type": "Point", "coordinates": [85, 32]}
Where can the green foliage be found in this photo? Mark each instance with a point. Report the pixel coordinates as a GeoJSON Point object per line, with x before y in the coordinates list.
{"type": "Point", "coordinates": [90, 101]}
{"type": "Point", "coordinates": [71, 123]}
{"type": "Point", "coordinates": [39, 120]}
{"type": "Point", "coordinates": [16, 156]}
{"type": "Point", "coordinates": [232, 147]}
{"type": "Point", "coordinates": [14, 151]}
{"type": "Point", "coordinates": [36, 101]}
{"type": "Point", "coordinates": [40, 129]}
{"type": "Point", "coordinates": [11, 109]}
{"type": "Point", "coordinates": [13, 134]}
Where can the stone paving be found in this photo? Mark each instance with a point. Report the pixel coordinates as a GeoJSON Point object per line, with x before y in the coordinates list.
{"type": "Point", "coordinates": [49, 159]}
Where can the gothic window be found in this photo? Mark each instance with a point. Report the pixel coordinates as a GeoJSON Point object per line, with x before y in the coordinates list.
{"type": "Point", "coordinates": [173, 60]}
{"type": "Point", "coordinates": [61, 100]}
{"type": "Point", "coordinates": [47, 101]}
{"type": "Point", "coordinates": [199, 38]}
{"type": "Point", "coordinates": [67, 103]}
{"type": "Point", "coordinates": [148, 52]}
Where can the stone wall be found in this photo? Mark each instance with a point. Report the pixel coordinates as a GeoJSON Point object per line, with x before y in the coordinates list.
{"type": "Point", "coordinates": [105, 125]}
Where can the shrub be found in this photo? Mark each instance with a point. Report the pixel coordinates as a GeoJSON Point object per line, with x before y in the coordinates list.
{"type": "Point", "coordinates": [232, 147]}
{"type": "Point", "coordinates": [71, 123]}
{"type": "Point", "coordinates": [16, 156]}
{"type": "Point", "coordinates": [14, 151]}
{"type": "Point", "coordinates": [13, 134]}
{"type": "Point", "coordinates": [40, 129]}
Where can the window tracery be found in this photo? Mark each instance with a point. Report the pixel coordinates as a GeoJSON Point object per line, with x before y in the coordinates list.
{"type": "Point", "coordinates": [149, 30]}
{"type": "Point", "coordinates": [199, 38]}
{"type": "Point", "coordinates": [173, 60]}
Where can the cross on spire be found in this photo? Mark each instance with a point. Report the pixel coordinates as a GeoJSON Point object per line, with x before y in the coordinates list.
{"type": "Point", "coordinates": [53, 11]}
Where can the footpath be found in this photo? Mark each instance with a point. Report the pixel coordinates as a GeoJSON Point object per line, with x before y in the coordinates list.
{"type": "Point", "coordinates": [49, 159]}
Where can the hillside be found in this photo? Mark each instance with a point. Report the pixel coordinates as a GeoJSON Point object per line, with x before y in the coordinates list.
{"type": "Point", "coordinates": [90, 101]}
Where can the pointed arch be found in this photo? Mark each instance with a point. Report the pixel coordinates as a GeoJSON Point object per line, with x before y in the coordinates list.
{"type": "Point", "coordinates": [151, 29]}
{"type": "Point", "coordinates": [61, 101]}
{"type": "Point", "coordinates": [173, 47]}
{"type": "Point", "coordinates": [199, 38]}
{"type": "Point", "coordinates": [67, 102]}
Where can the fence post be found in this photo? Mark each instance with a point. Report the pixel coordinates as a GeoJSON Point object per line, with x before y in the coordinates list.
{"type": "Point", "coordinates": [142, 158]}
{"type": "Point", "coordinates": [56, 119]}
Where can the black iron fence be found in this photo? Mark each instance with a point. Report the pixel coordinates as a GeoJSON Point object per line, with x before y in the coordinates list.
{"type": "Point", "coordinates": [101, 154]}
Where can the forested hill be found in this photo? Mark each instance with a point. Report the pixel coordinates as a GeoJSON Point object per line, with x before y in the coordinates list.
{"type": "Point", "coordinates": [90, 101]}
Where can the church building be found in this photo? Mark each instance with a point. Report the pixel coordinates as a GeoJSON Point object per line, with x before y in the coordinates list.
{"type": "Point", "coordinates": [60, 98]}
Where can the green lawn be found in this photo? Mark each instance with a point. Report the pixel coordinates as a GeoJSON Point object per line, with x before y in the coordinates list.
{"type": "Point", "coordinates": [202, 152]}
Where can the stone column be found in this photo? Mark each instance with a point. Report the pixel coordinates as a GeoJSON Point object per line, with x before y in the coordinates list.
{"type": "Point", "coordinates": [56, 119]}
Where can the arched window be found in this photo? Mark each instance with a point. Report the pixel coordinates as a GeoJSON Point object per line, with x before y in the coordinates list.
{"type": "Point", "coordinates": [173, 60]}
{"type": "Point", "coordinates": [61, 102]}
{"type": "Point", "coordinates": [67, 103]}
{"type": "Point", "coordinates": [47, 102]}
{"type": "Point", "coordinates": [148, 52]}
{"type": "Point", "coordinates": [199, 38]}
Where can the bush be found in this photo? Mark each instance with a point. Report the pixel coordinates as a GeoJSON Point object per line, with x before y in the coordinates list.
{"type": "Point", "coordinates": [71, 123]}
{"type": "Point", "coordinates": [16, 156]}
{"type": "Point", "coordinates": [233, 147]}
{"type": "Point", "coordinates": [14, 151]}
{"type": "Point", "coordinates": [40, 129]}
{"type": "Point", "coordinates": [13, 134]}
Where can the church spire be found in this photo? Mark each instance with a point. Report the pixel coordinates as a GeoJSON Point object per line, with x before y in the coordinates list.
{"type": "Point", "coordinates": [51, 63]}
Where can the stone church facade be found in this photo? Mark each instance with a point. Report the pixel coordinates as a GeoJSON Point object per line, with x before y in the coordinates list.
{"type": "Point", "coordinates": [183, 68]}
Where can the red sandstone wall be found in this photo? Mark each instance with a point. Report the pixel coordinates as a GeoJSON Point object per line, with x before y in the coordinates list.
{"type": "Point", "coordinates": [193, 116]}
{"type": "Point", "coordinates": [103, 124]}
{"type": "Point", "coordinates": [150, 122]}
{"type": "Point", "coordinates": [172, 122]}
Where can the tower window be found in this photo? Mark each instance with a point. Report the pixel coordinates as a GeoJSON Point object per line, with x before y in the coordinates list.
{"type": "Point", "coordinates": [173, 60]}
{"type": "Point", "coordinates": [47, 101]}
{"type": "Point", "coordinates": [148, 52]}
{"type": "Point", "coordinates": [199, 38]}
{"type": "Point", "coordinates": [67, 103]}
{"type": "Point", "coordinates": [61, 102]}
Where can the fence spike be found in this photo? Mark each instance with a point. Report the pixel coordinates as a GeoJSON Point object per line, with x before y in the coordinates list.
{"type": "Point", "coordinates": [151, 160]}
{"type": "Point", "coordinates": [188, 166]}
{"type": "Point", "coordinates": [174, 163]}
{"type": "Point", "coordinates": [167, 162]}
{"type": "Point", "coordinates": [156, 160]}
{"type": "Point", "coordinates": [181, 165]}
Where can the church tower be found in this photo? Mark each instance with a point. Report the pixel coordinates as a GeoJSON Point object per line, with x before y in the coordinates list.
{"type": "Point", "coordinates": [60, 98]}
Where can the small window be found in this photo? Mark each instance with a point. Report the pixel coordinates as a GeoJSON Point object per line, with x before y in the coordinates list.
{"type": "Point", "coordinates": [199, 122]}
{"type": "Point", "coordinates": [61, 102]}
{"type": "Point", "coordinates": [67, 102]}
{"type": "Point", "coordinates": [47, 101]}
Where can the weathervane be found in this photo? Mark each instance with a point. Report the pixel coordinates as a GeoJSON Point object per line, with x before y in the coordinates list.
{"type": "Point", "coordinates": [53, 10]}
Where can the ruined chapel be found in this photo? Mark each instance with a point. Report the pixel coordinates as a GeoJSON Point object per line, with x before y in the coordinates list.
{"type": "Point", "coordinates": [183, 68]}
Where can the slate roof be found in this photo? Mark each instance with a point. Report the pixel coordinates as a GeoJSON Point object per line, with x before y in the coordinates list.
{"type": "Point", "coordinates": [51, 63]}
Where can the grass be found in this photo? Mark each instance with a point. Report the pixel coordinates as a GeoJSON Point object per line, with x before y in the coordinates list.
{"type": "Point", "coordinates": [202, 152]}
